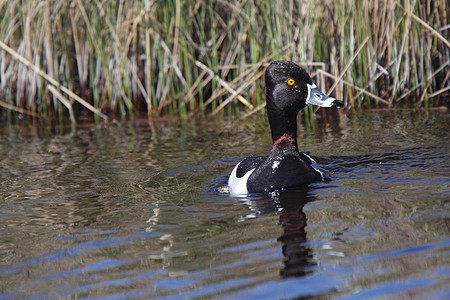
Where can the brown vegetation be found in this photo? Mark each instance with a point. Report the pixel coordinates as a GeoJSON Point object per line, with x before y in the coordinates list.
{"type": "Point", "coordinates": [204, 57]}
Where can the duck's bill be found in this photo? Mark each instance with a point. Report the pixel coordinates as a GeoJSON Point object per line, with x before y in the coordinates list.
{"type": "Point", "coordinates": [316, 97]}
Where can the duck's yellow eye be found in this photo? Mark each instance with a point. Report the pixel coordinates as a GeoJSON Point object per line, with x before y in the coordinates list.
{"type": "Point", "coordinates": [291, 81]}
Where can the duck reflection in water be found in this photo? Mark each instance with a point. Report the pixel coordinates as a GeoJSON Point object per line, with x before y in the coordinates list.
{"type": "Point", "coordinates": [298, 258]}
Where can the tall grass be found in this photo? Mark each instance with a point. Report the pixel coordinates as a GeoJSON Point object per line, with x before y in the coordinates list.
{"type": "Point", "coordinates": [189, 57]}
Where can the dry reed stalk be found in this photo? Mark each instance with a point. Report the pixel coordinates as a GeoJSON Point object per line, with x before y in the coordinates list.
{"type": "Point", "coordinates": [48, 43]}
{"type": "Point", "coordinates": [239, 90]}
{"type": "Point", "coordinates": [441, 91]}
{"type": "Point", "coordinates": [431, 29]}
{"type": "Point", "coordinates": [199, 82]}
{"type": "Point", "coordinates": [349, 63]}
{"type": "Point", "coordinates": [401, 53]}
{"type": "Point", "coordinates": [64, 101]}
{"type": "Point", "coordinates": [441, 68]}
{"type": "Point", "coordinates": [20, 110]}
{"type": "Point", "coordinates": [253, 111]}
{"type": "Point", "coordinates": [81, 55]}
{"type": "Point", "coordinates": [224, 84]}
{"type": "Point", "coordinates": [51, 80]}
{"type": "Point", "coordinates": [148, 59]}
{"type": "Point", "coordinates": [356, 88]}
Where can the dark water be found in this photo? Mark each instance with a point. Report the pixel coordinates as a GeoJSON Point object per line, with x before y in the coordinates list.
{"type": "Point", "coordinates": [132, 211]}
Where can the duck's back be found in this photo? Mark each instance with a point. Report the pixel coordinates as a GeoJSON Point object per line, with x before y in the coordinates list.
{"type": "Point", "coordinates": [282, 170]}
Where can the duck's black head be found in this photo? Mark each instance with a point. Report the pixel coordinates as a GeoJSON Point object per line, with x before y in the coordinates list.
{"type": "Point", "coordinates": [289, 89]}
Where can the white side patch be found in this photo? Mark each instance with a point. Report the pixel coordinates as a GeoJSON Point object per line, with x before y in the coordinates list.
{"type": "Point", "coordinates": [315, 166]}
{"type": "Point", "coordinates": [238, 186]}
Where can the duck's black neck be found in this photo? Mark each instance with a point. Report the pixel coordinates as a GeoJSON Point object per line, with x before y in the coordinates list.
{"type": "Point", "coordinates": [284, 129]}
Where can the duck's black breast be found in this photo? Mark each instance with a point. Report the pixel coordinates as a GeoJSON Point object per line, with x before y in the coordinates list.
{"type": "Point", "coordinates": [282, 169]}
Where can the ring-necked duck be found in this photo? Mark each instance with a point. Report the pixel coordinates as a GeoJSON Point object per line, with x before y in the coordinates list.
{"type": "Point", "coordinates": [288, 90]}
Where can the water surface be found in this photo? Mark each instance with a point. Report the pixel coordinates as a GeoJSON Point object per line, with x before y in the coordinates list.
{"type": "Point", "coordinates": [132, 211]}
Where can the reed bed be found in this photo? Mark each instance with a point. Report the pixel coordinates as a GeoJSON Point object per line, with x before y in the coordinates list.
{"type": "Point", "coordinates": [189, 58]}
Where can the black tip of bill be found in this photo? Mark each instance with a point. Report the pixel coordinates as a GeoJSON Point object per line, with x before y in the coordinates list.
{"type": "Point", "coordinates": [337, 103]}
{"type": "Point", "coordinates": [316, 97]}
